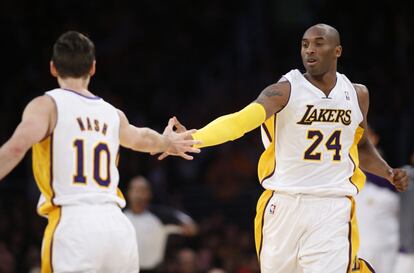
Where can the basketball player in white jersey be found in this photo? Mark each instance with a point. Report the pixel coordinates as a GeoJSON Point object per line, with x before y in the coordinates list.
{"type": "Point", "coordinates": [76, 137]}
{"type": "Point", "coordinates": [313, 131]}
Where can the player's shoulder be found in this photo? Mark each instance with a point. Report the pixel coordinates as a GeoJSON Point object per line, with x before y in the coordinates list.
{"type": "Point", "coordinates": [360, 88]}
{"type": "Point", "coordinates": [110, 107]}
{"type": "Point", "coordinates": [283, 85]}
{"type": "Point", "coordinates": [293, 75]}
{"type": "Point", "coordinates": [122, 117]}
{"type": "Point", "coordinates": [363, 96]}
{"type": "Point", "coordinates": [42, 102]}
{"type": "Point", "coordinates": [41, 108]}
{"type": "Point", "coordinates": [361, 91]}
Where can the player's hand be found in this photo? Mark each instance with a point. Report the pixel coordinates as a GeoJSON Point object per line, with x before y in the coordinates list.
{"type": "Point", "coordinates": [181, 141]}
{"type": "Point", "coordinates": [179, 128]}
{"type": "Point", "coordinates": [399, 178]}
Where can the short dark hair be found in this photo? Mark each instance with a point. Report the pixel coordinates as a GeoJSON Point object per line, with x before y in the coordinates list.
{"type": "Point", "coordinates": [73, 55]}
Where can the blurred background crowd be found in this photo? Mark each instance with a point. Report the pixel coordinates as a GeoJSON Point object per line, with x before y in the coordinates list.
{"type": "Point", "coordinates": [196, 60]}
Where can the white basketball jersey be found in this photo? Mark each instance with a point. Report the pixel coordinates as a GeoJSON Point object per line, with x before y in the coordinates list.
{"type": "Point", "coordinates": [311, 144]}
{"type": "Point", "coordinates": [76, 164]}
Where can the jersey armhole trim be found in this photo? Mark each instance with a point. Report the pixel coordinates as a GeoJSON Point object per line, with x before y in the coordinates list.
{"type": "Point", "coordinates": [119, 126]}
{"type": "Point", "coordinates": [269, 137]}
{"type": "Point", "coordinates": [52, 128]}
{"type": "Point", "coordinates": [359, 103]}
{"type": "Point", "coordinates": [288, 100]}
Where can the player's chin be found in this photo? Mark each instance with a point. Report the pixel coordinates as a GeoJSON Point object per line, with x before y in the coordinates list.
{"type": "Point", "coordinates": [312, 69]}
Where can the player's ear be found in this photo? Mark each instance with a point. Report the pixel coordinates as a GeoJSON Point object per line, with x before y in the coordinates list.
{"type": "Point", "coordinates": [338, 51]}
{"type": "Point", "coordinates": [93, 69]}
{"type": "Point", "coordinates": [53, 70]}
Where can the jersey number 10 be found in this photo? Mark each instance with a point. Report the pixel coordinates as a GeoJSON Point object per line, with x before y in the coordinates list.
{"type": "Point", "coordinates": [100, 150]}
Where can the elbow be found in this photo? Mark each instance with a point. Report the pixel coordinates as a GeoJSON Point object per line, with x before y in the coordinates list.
{"type": "Point", "coordinates": [17, 150]}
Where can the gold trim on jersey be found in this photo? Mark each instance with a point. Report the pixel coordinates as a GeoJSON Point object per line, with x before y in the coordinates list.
{"type": "Point", "coordinates": [355, 264]}
{"type": "Point", "coordinates": [267, 162]}
{"type": "Point", "coordinates": [120, 194]}
{"type": "Point", "coordinates": [118, 190]}
{"type": "Point", "coordinates": [365, 267]}
{"type": "Point", "coordinates": [54, 217]}
{"type": "Point", "coordinates": [42, 163]}
{"type": "Point", "coordinates": [358, 178]}
{"type": "Point", "coordinates": [259, 219]}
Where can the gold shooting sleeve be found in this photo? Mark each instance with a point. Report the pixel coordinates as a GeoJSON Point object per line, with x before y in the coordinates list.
{"type": "Point", "coordinates": [232, 126]}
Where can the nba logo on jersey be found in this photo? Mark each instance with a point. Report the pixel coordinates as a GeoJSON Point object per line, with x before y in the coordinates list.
{"type": "Point", "coordinates": [272, 208]}
{"type": "Point", "coordinates": [347, 95]}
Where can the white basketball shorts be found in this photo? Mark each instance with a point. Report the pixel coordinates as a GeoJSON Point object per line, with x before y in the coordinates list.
{"type": "Point", "coordinates": [89, 239]}
{"type": "Point", "coordinates": [307, 234]}
{"type": "Point", "coordinates": [405, 263]}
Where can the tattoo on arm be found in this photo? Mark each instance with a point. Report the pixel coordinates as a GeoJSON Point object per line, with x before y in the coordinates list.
{"type": "Point", "coordinates": [272, 93]}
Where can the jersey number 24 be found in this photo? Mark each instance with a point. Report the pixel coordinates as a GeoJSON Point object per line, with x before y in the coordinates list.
{"type": "Point", "coordinates": [333, 144]}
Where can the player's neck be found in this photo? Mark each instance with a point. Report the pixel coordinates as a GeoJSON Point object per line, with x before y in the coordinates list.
{"type": "Point", "coordinates": [325, 82]}
{"type": "Point", "coordinates": [79, 85]}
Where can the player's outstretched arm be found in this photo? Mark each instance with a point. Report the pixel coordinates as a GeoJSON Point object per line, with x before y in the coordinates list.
{"type": "Point", "coordinates": [34, 127]}
{"type": "Point", "coordinates": [369, 158]}
{"type": "Point", "coordinates": [233, 126]}
{"type": "Point", "coordinates": [150, 141]}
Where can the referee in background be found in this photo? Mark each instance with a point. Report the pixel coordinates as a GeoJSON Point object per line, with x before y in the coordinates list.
{"type": "Point", "coordinates": [153, 224]}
